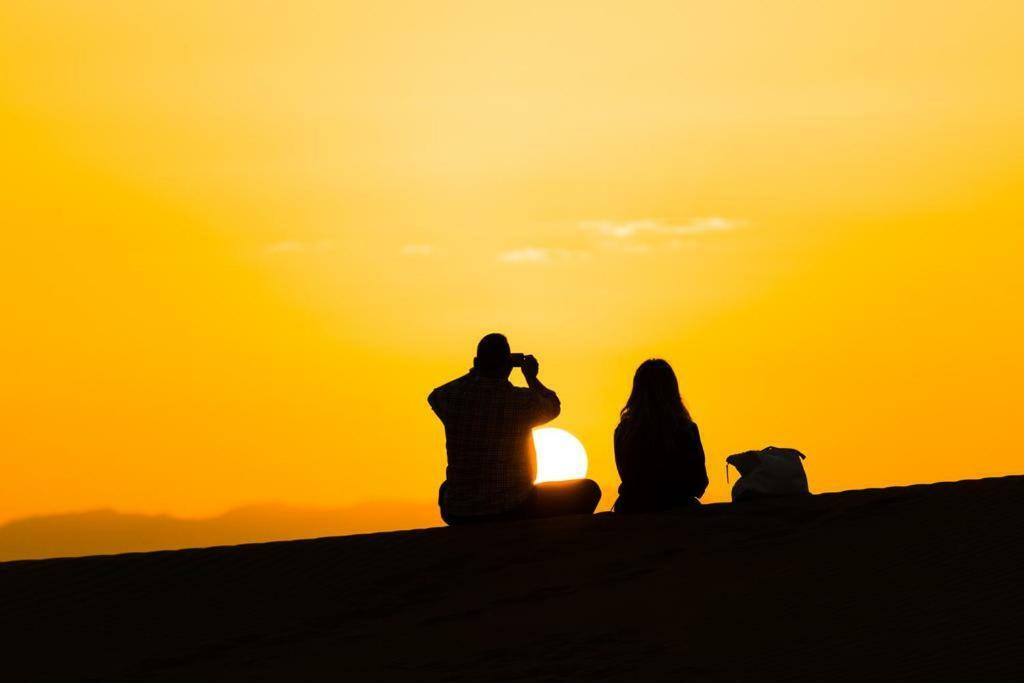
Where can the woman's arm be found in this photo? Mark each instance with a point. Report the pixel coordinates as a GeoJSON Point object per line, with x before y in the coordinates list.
{"type": "Point", "coordinates": [624, 457]}
{"type": "Point", "coordinates": [697, 471]}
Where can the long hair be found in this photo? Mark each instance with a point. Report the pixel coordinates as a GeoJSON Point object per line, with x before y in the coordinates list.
{"type": "Point", "coordinates": [655, 402]}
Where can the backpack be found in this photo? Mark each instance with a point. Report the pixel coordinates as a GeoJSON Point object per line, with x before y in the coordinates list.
{"type": "Point", "coordinates": [767, 473]}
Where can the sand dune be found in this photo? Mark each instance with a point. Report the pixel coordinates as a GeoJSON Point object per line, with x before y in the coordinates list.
{"type": "Point", "coordinates": [918, 583]}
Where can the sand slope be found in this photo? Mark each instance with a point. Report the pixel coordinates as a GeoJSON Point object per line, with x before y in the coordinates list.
{"type": "Point", "coordinates": [919, 583]}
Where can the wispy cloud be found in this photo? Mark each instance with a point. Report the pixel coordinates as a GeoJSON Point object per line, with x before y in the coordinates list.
{"type": "Point", "coordinates": [638, 236]}
{"type": "Point", "coordinates": [541, 255]}
{"type": "Point", "coordinates": [418, 250]}
{"type": "Point", "coordinates": [625, 230]}
{"type": "Point", "coordinates": [299, 247]}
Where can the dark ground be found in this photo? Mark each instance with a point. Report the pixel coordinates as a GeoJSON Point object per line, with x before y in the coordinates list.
{"type": "Point", "coordinates": [920, 583]}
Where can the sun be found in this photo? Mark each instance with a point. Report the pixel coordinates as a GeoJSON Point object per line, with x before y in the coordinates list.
{"type": "Point", "coordinates": [560, 455]}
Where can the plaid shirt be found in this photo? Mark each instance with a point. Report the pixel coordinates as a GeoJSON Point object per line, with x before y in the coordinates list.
{"type": "Point", "coordinates": [491, 459]}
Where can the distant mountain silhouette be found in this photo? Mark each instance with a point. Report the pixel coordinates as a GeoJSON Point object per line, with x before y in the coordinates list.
{"type": "Point", "coordinates": [100, 532]}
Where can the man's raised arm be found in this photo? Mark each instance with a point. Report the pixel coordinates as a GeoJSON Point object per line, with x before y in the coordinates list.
{"type": "Point", "coordinates": [547, 404]}
{"type": "Point", "coordinates": [435, 401]}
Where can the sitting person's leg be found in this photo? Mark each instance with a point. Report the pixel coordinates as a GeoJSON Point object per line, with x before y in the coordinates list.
{"type": "Point", "coordinates": [557, 498]}
{"type": "Point", "coordinates": [628, 504]}
{"type": "Point", "coordinates": [550, 499]}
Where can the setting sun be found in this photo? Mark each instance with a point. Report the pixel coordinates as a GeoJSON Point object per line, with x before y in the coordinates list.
{"type": "Point", "coordinates": [560, 455]}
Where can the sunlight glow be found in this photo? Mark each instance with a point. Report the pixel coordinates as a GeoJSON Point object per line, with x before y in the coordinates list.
{"type": "Point", "coordinates": [560, 455]}
{"type": "Point", "coordinates": [754, 191]}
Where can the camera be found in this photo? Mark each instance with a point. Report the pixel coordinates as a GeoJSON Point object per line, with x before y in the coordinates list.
{"type": "Point", "coordinates": [518, 359]}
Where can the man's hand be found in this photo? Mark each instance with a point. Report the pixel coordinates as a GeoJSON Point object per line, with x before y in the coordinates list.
{"type": "Point", "coordinates": [530, 368]}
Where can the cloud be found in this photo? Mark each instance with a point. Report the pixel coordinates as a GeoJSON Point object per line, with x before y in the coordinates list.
{"type": "Point", "coordinates": [626, 230]}
{"type": "Point", "coordinates": [418, 250]}
{"type": "Point", "coordinates": [638, 236]}
{"type": "Point", "coordinates": [525, 255]}
{"type": "Point", "coordinates": [298, 247]}
{"type": "Point", "coordinates": [541, 255]}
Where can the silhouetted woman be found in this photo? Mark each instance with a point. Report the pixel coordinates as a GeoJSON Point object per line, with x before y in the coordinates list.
{"type": "Point", "coordinates": [657, 446]}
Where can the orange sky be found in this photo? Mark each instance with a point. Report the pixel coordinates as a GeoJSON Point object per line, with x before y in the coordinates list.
{"type": "Point", "coordinates": [242, 241]}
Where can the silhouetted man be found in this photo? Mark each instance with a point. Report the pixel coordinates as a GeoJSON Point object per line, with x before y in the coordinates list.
{"type": "Point", "coordinates": [488, 425]}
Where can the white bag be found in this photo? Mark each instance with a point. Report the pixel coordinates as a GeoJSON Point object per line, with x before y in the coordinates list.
{"type": "Point", "coordinates": [767, 473]}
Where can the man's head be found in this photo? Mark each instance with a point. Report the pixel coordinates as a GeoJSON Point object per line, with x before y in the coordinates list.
{"type": "Point", "coordinates": [493, 357]}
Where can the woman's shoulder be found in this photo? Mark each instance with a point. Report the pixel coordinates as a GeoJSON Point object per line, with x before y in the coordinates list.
{"type": "Point", "coordinates": [625, 428]}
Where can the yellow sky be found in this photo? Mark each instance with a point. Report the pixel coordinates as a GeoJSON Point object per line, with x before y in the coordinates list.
{"type": "Point", "coordinates": [243, 240]}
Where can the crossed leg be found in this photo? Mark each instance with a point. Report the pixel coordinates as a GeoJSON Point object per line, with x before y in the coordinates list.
{"type": "Point", "coordinates": [557, 498]}
{"type": "Point", "coordinates": [550, 499]}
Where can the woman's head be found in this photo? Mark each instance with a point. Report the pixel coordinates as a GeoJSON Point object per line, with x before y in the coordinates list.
{"type": "Point", "coordinates": [655, 396]}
